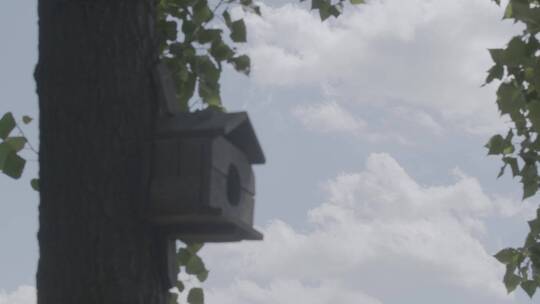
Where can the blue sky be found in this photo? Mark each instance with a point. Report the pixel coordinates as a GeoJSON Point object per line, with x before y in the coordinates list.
{"type": "Point", "coordinates": [377, 188]}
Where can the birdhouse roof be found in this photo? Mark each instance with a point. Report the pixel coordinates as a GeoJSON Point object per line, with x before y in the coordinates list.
{"type": "Point", "coordinates": [235, 127]}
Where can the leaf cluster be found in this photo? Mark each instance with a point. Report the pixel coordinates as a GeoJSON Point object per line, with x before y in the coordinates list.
{"type": "Point", "coordinates": [517, 68]}
{"type": "Point", "coordinates": [12, 163]}
{"type": "Point", "coordinates": [196, 40]}
{"type": "Point", "coordinates": [523, 264]}
{"type": "Point", "coordinates": [328, 8]}
{"type": "Point", "coordinates": [191, 263]}
{"type": "Point", "coordinates": [195, 45]}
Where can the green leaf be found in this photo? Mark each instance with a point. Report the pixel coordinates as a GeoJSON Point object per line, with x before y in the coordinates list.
{"type": "Point", "coordinates": [509, 149]}
{"type": "Point", "coordinates": [5, 150]}
{"type": "Point", "coordinates": [176, 49]}
{"type": "Point", "coordinates": [335, 10]}
{"type": "Point", "coordinates": [529, 172]}
{"type": "Point", "coordinates": [7, 124]}
{"type": "Point", "coordinates": [249, 6]}
{"type": "Point", "coordinates": [175, 9]}
{"type": "Point", "coordinates": [206, 70]}
{"type": "Point", "coordinates": [509, 98]}
{"type": "Point", "coordinates": [529, 287]}
{"type": "Point", "coordinates": [201, 12]}
{"type": "Point", "coordinates": [195, 265]}
{"type": "Point", "coordinates": [194, 247]}
{"type": "Point", "coordinates": [534, 114]}
{"type": "Point", "coordinates": [208, 35]}
{"type": "Point", "coordinates": [186, 89]}
{"type": "Point", "coordinates": [172, 298]}
{"type": "Point", "coordinates": [221, 51]}
{"type": "Point", "coordinates": [170, 30]}
{"type": "Point", "coordinates": [501, 172]}
{"type": "Point", "coordinates": [508, 11]}
{"type": "Point", "coordinates": [507, 256]}
{"type": "Point", "coordinates": [183, 256]}
{"type": "Point", "coordinates": [534, 226]}
{"type": "Point", "coordinates": [324, 10]}
{"type": "Point", "coordinates": [512, 161]}
{"type": "Point", "coordinates": [242, 64]}
{"type": "Point", "coordinates": [532, 76]}
{"type": "Point", "coordinates": [35, 184]}
{"type": "Point", "coordinates": [202, 276]}
{"type": "Point", "coordinates": [195, 296]}
{"type": "Point", "coordinates": [316, 4]}
{"type": "Point", "coordinates": [511, 281]}
{"type": "Point", "coordinates": [257, 10]}
{"type": "Point", "coordinates": [188, 28]}
{"type": "Point", "coordinates": [496, 72]}
{"type": "Point", "coordinates": [227, 18]}
{"type": "Point", "coordinates": [14, 165]}
{"type": "Point", "coordinates": [17, 143]}
{"type": "Point", "coordinates": [180, 286]}
{"type": "Point", "coordinates": [497, 55]}
{"type": "Point", "coordinates": [355, 2]}
{"type": "Point", "coordinates": [214, 102]}
{"type": "Point", "coordinates": [516, 52]}
{"type": "Point", "coordinates": [238, 31]}
{"type": "Point", "coordinates": [529, 189]}
{"type": "Point", "coordinates": [496, 145]}
{"type": "Point", "coordinates": [27, 119]}
{"type": "Point", "coordinates": [530, 240]}
{"type": "Point", "coordinates": [210, 94]}
{"type": "Point", "coordinates": [523, 12]}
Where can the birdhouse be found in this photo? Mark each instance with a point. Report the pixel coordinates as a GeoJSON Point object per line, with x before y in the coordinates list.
{"type": "Point", "coordinates": [203, 186]}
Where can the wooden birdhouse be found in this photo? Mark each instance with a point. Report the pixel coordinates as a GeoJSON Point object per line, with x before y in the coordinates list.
{"type": "Point", "coordinates": [203, 185]}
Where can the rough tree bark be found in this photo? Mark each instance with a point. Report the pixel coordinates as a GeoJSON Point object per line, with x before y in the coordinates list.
{"type": "Point", "coordinates": [97, 108]}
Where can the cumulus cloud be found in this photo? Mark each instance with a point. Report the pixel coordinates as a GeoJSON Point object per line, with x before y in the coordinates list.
{"type": "Point", "coordinates": [287, 292]}
{"type": "Point", "coordinates": [328, 117]}
{"type": "Point", "coordinates": [430, 54]}
{"type": "Point", "coordinates": [394, 124]}
{"type": "Point", "coordinates": [380, 216]}
{"type": "Point", "coordinates": [373, 229]}
{"type": "Point", "coordinates": [416, 118]}
{"type": "Point", "coordinates": [22, 295]}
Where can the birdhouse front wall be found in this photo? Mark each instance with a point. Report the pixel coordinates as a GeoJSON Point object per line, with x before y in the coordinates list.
{"type": "Point", "coordinates": [232, 182]}
{"type": "Point", "coordinates": [198, 177]}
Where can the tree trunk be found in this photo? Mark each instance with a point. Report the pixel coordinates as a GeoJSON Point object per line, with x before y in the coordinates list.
{"type": "Point", "coordinates": [97, 110]}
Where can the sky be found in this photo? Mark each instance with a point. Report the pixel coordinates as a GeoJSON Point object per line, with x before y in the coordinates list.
{"type": "Point", "coordinates": [377, 188]}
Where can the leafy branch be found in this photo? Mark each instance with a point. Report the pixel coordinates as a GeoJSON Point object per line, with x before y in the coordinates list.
{"type": "Point", "coordinates": [12, 163]}
{"type": "Point", "coordinates": [195, 47]}
{"type": "Point", "coordinates": [192, 264]}
{"type": "Point", "coordinates": [518, 96]}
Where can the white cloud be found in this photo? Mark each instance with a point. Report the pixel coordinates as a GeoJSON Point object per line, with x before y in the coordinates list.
{"type": "Point", "coordinates": [378, 225]}
{"type": "Point", "coordinates": [416, 118]}
{"type": "Point", "coordinates": [429, 54]}
{"type": "Point", "coordinates": [287, 292]}
{"type": "Point", "coordinates": [399, 124]}
{"type": "Point", "coordinates": [328, 117]}
{"type": "Point", "coordinates": [22, 295]}
{"type": "Point", "coordinates": [382, 217]}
